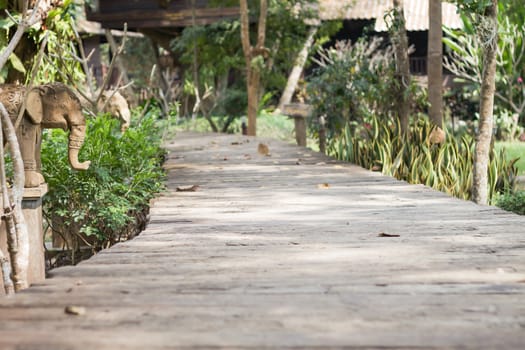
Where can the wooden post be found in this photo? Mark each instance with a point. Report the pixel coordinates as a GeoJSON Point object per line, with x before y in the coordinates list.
{"type": "Point", "coordinates": [300, 130]}
{"type": "Point", "coordinates": [32, 211]}
{"type": "Point", "coordinates": [299, 111]}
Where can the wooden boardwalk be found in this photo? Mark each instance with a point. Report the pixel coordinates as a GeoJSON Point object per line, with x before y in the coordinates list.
{"type": "Point", "coordinates": [287, 251]}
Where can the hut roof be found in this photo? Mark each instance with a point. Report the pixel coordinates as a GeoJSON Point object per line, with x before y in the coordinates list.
{"type": "Point", "coordinates": [416, 12]}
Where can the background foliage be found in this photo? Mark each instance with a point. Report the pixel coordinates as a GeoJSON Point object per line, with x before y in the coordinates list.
{"type": "Point", "coordinates": [354, 87]}
{"type": "Point", "coordinates": [216, 51]}
{"type": "Point", "coordinates": [464, 60]}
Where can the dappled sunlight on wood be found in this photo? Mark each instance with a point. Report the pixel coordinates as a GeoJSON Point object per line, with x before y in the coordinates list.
{"type": "Point", "coordinates": [290, 250]}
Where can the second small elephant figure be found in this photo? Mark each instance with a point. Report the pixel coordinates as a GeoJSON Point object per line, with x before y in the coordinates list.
{"type": "Point", "coordinates": [115, 104]}
{"type": "Point", "coordinates": [47, 106]}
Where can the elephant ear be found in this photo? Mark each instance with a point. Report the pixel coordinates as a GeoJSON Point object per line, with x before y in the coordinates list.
{"type": "Point", "coordinates": [34, 106]}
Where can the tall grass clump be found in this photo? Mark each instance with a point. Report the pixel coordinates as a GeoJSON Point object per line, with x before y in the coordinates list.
{"type": "Point", "coordinates": [446, 167]}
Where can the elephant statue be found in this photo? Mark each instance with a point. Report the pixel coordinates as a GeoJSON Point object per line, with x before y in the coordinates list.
{"type": "Point", "coordinates": [111, 102]}
{"type": "Point", "coordinates": [115, 104]}
{"type": "Point", "coordinates": [51, 105]}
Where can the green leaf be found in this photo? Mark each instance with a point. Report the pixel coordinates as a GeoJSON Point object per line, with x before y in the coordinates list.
{"type": "Point", "coordinates": [6, 23]}
{"type": "Point", "coordinates": [16, 63]}
{"type": "Point", "coordinates": [257, 63]}
{"type": "Point", "coordinates": [54, 13]}
{"type": "Point", "coordinates": [453, 46]}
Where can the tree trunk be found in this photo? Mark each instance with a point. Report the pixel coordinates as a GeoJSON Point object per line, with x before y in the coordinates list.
{"type": "Point", "coordinates": [253, 74]}
{"type": "Point", "coordinates": [489, 40]}
{"type": "Point", "coordinates": [253, 101]}
{"type": "Point", "coordinates": [19, 261]}
{"type": "Point", "coordinates": [16, 228]}
{"type": "Point", "coordinates": [399, 36]}
{"type": "Point", "coordinates": [297, 70]}
{"type": "Point", "coordinates": [434, 63]}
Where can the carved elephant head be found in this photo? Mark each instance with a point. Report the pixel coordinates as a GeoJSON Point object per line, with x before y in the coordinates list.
{"type": "Point", "coordinates": [56, 106]}
{"type": "Point", "coordinates": [115, 104]}
{"type": "Point", "coordinates": [47, 106]}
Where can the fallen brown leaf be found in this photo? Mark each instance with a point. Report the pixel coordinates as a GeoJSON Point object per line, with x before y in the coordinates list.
{"type": "Point", "coordinates": [383, 234]}
{"type": "Point", "coordinates": [75, 310]}
{"type": "Point", "coordinates": [263, 149]}
{"type": "Point", "coordinates": [193, 188]}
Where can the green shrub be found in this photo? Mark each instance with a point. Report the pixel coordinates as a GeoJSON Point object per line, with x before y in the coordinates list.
{"type": "Point", "coordinates": [354, 81]}
{"type": "Point", "coordinates": [107, 202]}
{"type": "Point", "coordinates": [514, 202]}
{"type": "Point", "coordinates": [377, 145]}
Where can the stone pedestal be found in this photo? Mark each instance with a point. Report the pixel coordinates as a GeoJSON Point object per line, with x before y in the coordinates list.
{"type": "Point", "coordinates": [299, 112]}
{"type": "Point", "coordinates": [32, 211]}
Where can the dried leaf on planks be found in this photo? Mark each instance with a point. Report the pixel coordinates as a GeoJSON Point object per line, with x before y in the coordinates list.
{"type": "Point", "coordinates": [383, 234]}
{"type": "Point", "coordinates": [75, 310]}
{"type": "Point", "coordinates": [192, 188]}
{"type": "Point", "coordinates": [237, 143]}
{"type": "Point", "coordinates": [263, 149]}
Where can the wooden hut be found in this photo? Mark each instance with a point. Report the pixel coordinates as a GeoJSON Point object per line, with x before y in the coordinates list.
{"type": "Point", "coordinates": [360, 14]}
{"type": "Point", "coordinates": [159, 19]}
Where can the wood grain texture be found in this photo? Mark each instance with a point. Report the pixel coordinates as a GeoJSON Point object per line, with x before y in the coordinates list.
{"type": "Point", "coordinates": [288, 251]}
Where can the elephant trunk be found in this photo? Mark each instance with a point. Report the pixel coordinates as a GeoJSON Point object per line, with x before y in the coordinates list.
{"type": "Point", "coordinates": [76, 139]}
{"type": "Point", "coordinates": [125, 119]}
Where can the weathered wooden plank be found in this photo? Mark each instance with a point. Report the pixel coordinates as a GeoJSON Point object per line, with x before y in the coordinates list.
{"type": "Point", "coordinates": [288, 251]}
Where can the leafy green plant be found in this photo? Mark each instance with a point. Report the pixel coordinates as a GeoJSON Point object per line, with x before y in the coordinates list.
{"type": "Point", "coordinates": [107, 202]}
{"type": "Point", "coordinates": [514, 202]}
{"type": "Point", "coordinates": [59, 29]}
{"type": "Point", "coordinates": [464, 60]}
{"type": "Point", "coordinates": [14, 62]}
{"type": "Point", "coordinates": [446, 167]}
{"type": "Point", "coordinates": [354, 81]}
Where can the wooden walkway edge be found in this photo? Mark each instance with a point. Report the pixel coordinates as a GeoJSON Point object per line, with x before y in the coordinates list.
{"type": "Point", "coordinates": [290, 250]}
